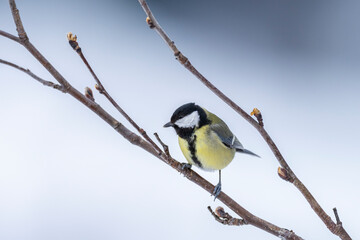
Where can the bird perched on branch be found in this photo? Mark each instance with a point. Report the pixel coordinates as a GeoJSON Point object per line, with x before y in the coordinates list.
{"type": "Point", "coordinates": [205, 140]}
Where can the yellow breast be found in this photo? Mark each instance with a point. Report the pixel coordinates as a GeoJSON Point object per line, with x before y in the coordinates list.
{"type": "Point", "coordinates": [209, 150]}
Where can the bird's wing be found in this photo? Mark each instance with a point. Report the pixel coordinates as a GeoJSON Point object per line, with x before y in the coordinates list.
{"type": "Point", "coordinates": [226, 136]}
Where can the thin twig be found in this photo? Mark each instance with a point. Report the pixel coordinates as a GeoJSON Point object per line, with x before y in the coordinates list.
{"type": "Point", "coordinates": [189, 174]}
{"type": "Point", "coordinates": [338, 222]}
{"type": "Point", "coordinates": [226, 218]}
{"type": "Point", "coordinates": [165, 147]}
{"type": "Point", "coordinates": [137, 140]}
{"type": "Point", "coordinates": [292, 177]}
{"type": "Point", "coordinates": [40, 80]}
{"type": "Point", "coordinates": [74, 44]}
{"type": "Point", "coordinates": [120, 128]}
{"type": "Point", "coordinates": [10, 36]}
{"type": "Point", "coordinates": [19, 26]}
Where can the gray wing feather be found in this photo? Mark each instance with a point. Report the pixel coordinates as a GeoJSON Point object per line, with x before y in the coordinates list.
{"type": "Point", "coordinates": [226, 136]}
{"type": "Point", "coordinates": [229, 139]}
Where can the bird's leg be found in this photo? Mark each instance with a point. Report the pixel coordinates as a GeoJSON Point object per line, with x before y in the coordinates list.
{"type": "Point", "coordinates": [185, 166]}
{"type": "Point", "coordinates": [217, 188]}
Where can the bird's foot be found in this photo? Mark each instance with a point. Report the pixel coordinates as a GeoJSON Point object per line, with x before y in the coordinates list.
{"type": "Point", "coordinates": [185, 166]}
{"type": "Point", "coordinates": [217, 190]}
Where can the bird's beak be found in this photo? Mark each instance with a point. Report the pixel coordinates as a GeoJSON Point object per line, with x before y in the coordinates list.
{"type": "Point", "coordinates": [169, 124]}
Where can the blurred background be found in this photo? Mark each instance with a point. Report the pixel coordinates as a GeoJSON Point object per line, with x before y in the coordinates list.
{"type": "Point", "coordinates": [65, 174]}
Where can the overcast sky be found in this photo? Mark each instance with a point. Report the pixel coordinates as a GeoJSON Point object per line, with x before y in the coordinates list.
{"type": "Point", "coordinates": [65, 174]}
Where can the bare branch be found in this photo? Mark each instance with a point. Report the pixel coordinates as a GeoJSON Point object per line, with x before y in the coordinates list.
{"type": "Point", "coordinates": [24, 40]}
{"type": "Point", "coordinates": [19, 26]}
{"type": "Point", "coordinates": [223, 217]}
{"type": "Point", "coordinates": [338, 222]}
{"type": "Point", "coordinates": [165, 147]}
{"type": "Point", "coordinates": [184, 61]}
{"type": "Point", "coordinates": [10, 36]}
{"type": "Point", "coordinates": [137, 140]}
{"type": "Point", "coordinates": [258, 125]}
{"type": "Point", "coordinates": [248, 217]}
{"type": "Point", "coordinates": [40, 80]}
{"type": "Point", "coordinates": [74, 44]}
{"type": "Point", "coordinates": [120, 128]}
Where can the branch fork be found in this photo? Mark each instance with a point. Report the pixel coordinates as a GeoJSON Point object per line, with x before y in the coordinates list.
{"type": "Point", "coordinates": [72, 38]}
{"type": "Point", "coordinates": [285, 171]}
{"type": "Point", "coordinates": [152, 148]}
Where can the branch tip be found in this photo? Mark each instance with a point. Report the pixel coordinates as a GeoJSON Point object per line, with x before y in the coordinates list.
{"type": "Point", "coordinates": [256, 112]}
{"type": "Point", "coordinates": [99, 86]}
{"type": "Point", "coordinates": [338, 222]}
{"type": "Point", "coordinates": [72, 38]}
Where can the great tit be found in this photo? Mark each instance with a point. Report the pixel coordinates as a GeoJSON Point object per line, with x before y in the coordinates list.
{"type": "Point", "coordinates": [205, 140]}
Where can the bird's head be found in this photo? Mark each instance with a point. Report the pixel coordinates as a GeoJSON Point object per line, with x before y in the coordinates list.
{"type": "Point", "coordinates": [187, 118]}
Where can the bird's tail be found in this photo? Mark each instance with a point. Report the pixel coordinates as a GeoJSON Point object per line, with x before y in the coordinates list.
{"type": "Point", "coordinates": [247, 152]}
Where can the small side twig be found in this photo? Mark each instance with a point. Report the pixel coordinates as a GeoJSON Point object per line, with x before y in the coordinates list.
{"type": "Point", "coordinates": [40, 80]}
{"type": "Point", "coordinates": [99, 86]}
{"type": "Point", "coordinates": [223, 217]}
{"type": "Point", "coordinates": [97, 109]}
{"type": "Point", "coordinates": [338, 222]}
{"type": "Point", "coordinates": [143, 144]}
{"type": "Point", "coordinates": [10, 36]}
{"type": "Point", "coordinates": [165, 147]}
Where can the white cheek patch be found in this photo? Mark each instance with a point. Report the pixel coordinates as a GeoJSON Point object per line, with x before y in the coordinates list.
{"type": "Point", "coordinates": [189, 121]}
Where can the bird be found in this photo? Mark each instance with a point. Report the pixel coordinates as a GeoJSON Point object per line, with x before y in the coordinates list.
{"type": "Point", "coordinates": [205, 140]}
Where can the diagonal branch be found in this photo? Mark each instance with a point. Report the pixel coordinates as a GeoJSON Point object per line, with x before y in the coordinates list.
{"type": "Point", "coordinates": [100, 87]}
{"type": "Point", "coordinates": [40, 80]}
{"type": "Point", "coordinates": [19, 26]}
{"type": "Point", "coordinates": [334, 228]}
{"type": "Point", "coordinates": [97, 109]}
{"type": "Point", "coordinates": [10, 36]}
{"type": "Point", "coordinates": [137, 140]}
{"type": "Point", "coordinates": [73, 42]}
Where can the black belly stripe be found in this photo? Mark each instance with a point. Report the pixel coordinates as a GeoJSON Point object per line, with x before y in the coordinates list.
{"type": "Point", "coordinates": [192, 148]}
